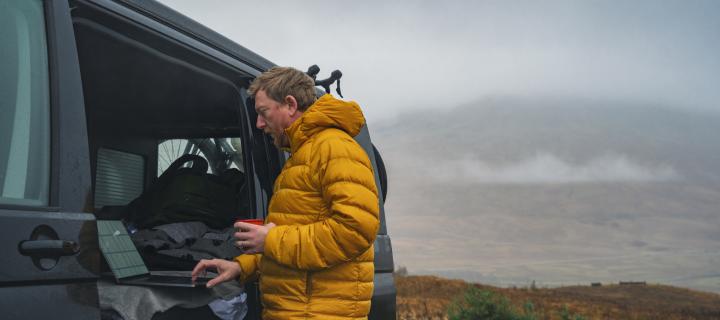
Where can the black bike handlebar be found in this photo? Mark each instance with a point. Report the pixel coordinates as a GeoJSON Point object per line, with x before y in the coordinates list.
{"type": "Point", "coordinates": [313, 71]}
{"type": "Point", "coordinates": [325, 83]}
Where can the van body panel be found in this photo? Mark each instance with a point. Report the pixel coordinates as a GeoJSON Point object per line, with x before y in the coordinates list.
{"type": "Point", "coordinates": [199, 32]}
{"type": "Point", "coordinates": [77, 301]}
{"type": "Point", "coordinates": [50, 259]}
{"type": "Point", "coordinates": [173, 25]}
{"type": "Point", "coordinates": [22, 261]}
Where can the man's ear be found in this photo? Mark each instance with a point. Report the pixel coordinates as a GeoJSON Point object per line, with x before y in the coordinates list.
{"type": "Point", "coordinates": [292, 104]}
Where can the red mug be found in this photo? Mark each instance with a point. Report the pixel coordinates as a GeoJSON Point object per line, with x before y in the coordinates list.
{"type": "Point", "coordinates": [257, 222]}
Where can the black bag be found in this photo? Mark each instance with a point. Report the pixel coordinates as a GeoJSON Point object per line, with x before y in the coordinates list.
{"type": "Point", "coordinates": [190, 194]}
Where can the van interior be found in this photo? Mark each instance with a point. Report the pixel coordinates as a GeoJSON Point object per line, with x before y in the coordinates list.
{"type": "Point", "coordinates": [148, 101]}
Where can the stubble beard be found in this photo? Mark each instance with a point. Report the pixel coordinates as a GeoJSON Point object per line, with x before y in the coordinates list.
{"type": "Point", "coordinates": [280, 141]}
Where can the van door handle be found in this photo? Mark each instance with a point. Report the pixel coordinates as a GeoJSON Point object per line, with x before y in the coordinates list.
{"type": "Point", "coordinates": [48, 248]}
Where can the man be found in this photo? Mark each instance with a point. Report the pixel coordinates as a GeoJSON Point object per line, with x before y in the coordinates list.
{"type": "Point", "coordinates": [315, 254]}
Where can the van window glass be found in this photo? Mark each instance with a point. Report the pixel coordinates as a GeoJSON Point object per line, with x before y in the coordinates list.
{"type": "Point", "coordinates": [221, 153]}
{"type": "Point", "coordinates": [24, 104]}
{"type": "Point", "coordinates": [119, 177]}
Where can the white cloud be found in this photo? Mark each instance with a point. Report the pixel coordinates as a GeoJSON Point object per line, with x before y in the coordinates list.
{"type": "Point", "coordinates": [546, 168]}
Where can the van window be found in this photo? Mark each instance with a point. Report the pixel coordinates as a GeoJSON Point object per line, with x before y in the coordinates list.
{"type": "Point", "coordinates": [119, 177]}
{"type": "Point", "coordinates": [221, 153]}
{"type": "Point", "coordinates": [149, 100]}
{"type": "Point", "coordinates": [24, 104]}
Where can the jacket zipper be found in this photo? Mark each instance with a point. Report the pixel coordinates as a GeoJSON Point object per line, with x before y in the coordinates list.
{"type": "Point", "coordinates": [308, 285]}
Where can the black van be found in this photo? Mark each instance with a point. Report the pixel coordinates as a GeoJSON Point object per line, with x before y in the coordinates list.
{"type": "Point", "coordinates": [97, 98]}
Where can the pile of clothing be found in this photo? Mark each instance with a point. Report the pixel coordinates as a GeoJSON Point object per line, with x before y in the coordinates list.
{"type": "Point", "coordinates": [176, 247]}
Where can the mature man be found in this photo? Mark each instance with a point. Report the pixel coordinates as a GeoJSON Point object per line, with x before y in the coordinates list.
{"type": "Point", "coordinates": [315, 253]}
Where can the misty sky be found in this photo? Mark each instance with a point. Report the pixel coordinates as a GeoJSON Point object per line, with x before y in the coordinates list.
{"type": "Point", "coordinates": [404, 55]}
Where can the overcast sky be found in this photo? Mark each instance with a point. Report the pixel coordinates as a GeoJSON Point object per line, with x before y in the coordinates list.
{"type": "Point", "coordinates": [398, 55]}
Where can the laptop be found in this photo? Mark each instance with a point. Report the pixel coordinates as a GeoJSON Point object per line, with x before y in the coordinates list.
{"type": "Point", "coordinates": [127, 265]}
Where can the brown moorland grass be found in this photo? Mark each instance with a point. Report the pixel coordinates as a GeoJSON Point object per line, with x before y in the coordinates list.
{"type": "Point", "coordinates": [428, 297]}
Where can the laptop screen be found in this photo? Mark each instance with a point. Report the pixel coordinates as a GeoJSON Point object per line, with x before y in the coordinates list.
{"type": "Point", "coordinates": [119, 250]}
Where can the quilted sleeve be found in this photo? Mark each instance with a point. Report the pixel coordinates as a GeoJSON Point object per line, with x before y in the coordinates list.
{"type": "Point", "coordinates": [249, 266]}
{"type": "Point", "coordinates": [347, 183]}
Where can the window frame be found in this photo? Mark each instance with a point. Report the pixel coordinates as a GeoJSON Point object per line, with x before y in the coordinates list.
{"type": "Point", "coordinates": [69, 158]}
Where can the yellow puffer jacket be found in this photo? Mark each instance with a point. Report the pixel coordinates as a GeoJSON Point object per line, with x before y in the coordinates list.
{"type": "Point", "coordinates": [318, 260]}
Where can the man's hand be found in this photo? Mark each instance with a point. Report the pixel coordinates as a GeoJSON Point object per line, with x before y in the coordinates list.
{"type": "Point", "coordinates": [227, 270]}
{"type": "Point", "coordinates": [251, 237]}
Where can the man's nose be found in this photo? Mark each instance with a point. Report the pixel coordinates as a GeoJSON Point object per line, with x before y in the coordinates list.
{"type": "Point", "coordinates": [260, 123]}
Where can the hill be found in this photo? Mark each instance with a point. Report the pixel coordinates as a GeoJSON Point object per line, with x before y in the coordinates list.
{"type": "Point", "coordinates": [509, 190]}
{"type": "Point", "coordinates": [427, 297]}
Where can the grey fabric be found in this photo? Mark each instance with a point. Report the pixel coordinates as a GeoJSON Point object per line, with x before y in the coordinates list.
{"type": "Point", "coordinates": [188, 239]}
{"type": "Point", "coordinates": [221, 235]}
{"type": "Point", "coordinates": [155, 239]}
{"type": "Point", "coordinates": [182, 231]}
{"type": "Point", "coordinates": [205, 249]}
{"type": "Point", "coordinates": [141, 303]}
{"type": "Point", "coordinates": [107, 314]}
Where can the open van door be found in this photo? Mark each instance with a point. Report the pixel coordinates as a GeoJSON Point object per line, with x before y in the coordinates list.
{"type": "Point", "coordinates": [49, 261]}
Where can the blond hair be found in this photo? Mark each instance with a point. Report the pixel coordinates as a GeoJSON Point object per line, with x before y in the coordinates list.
{"type": "Point", "coordinates": [279, 82]}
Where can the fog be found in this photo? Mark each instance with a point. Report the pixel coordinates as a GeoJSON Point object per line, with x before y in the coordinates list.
{"type": "Point", "coordinates": [546, 168]}
{"type": "Point", "coordinates": [405, 55]}
{"type": "Point", "coordinates": [562, 194]}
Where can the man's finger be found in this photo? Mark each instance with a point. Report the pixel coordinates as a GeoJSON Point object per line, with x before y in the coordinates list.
{"type": "Point", "coordinates": [244, 226]}
{"type": "Point", "coordinates": [220, 278]}
{"type": "Point", "coordinates": [199, 268]}
{"type": "Point", "coordinates": [242, 235]}
{"type": "Point", "coordinates": [243, 244]}
{"type": "Point", "coordinates": [241, 225]}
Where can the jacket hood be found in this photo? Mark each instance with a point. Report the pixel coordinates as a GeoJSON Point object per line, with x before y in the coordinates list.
{"type": "Point", "coordinates": [326, 112]}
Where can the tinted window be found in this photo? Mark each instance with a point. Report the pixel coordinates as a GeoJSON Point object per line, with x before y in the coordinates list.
{"type": "Point", "coordinates": [24, 104]}
{"type": "Point", "coordinates": [119, 177]}
{"type": "Point", "coordinates": [221, 153]}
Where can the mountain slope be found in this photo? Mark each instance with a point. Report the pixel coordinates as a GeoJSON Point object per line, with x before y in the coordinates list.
{"type": "Point", "coordinates": [509, 191]}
